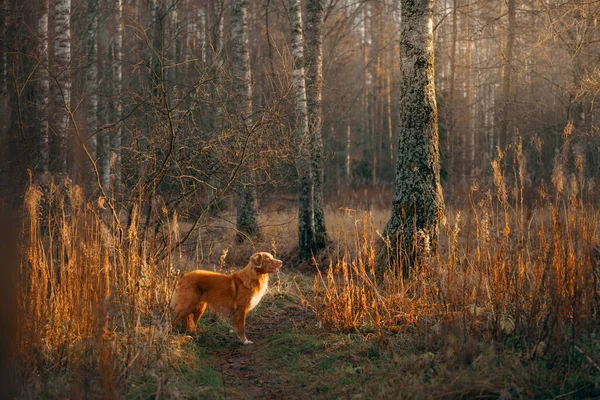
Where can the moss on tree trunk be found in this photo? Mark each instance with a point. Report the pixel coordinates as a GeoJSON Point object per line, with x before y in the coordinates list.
{"type": "Point", "coordinates": [418, 201]}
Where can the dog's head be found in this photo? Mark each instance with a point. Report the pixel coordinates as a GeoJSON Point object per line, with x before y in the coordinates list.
{"type": "Point", "coordinates": [265, 263]}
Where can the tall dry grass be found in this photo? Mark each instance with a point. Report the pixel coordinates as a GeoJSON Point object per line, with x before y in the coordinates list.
{"type": "Point", "coordinates": [92, 303]}
{"type": "Point", "coordinates": [504, 267]}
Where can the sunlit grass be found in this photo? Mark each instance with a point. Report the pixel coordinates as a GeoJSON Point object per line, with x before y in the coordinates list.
{"type": "Point", "coordinates": [502, 269]}
{"type": "Point", "coordinates": [510, 280]}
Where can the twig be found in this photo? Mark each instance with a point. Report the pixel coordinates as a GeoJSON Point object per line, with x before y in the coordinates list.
{"type": "Point", "coordinates": [588, 357]}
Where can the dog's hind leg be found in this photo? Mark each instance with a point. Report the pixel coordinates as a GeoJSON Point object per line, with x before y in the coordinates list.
{"type": "Point", "coordinates": [181, 316]}
{"type": "Point", "coordinates": [190, 324]}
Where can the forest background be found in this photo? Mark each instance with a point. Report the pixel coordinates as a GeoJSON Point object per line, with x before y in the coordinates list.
{"type": "Point", "coordinates": [146, 137]}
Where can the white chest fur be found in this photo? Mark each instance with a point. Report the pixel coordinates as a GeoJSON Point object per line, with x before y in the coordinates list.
{"type": "Point", "coordinates": [258, 295]}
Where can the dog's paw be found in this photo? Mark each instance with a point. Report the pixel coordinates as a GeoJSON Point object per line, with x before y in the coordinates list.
{"type": "Point", "coordinates": [247, 341]}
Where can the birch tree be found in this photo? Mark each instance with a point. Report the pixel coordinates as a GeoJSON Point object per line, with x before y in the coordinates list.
{"type": "Point", "coordinates": [418, 202]}
{"type": "Point", "coordinates": [507, 69]}
{"type": "Point", "coordinates": [306, 224]}
{"type": "Point", "coordinates": [92, 76]}
{"type": "Point", "coordinates": [314, 89]}
{"type": "Point", "coordinates": [62, 57]}
{"type": "Point", "coordinates": [43, 86]}
{"type": "Point", "coordinates": [246, 223]}
{"type": "Point", "coordinates": [4, 100]}
{"type": "Point", "coordinates": [118, 89]}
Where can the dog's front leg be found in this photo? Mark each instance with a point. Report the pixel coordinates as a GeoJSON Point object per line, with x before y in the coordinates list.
{"type": "Point", "coordinates": [239, 323]}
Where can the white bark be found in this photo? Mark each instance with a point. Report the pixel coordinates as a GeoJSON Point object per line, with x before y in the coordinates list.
{"type": "Point", "coordinates": [43, 86]}
{"type": "Point", "coordinates": [3, 54]}
{"type": "Point", "coordinates": [118, 89]}
{"type": "Point", "coordinates": [506, 122]}
{"type": "Point", "coordinates": [470, 128]}
{"type": "Point", "coordinates": [201, 34]}
{"type": "Point", "coordinates": [348, 156]}
{"type": "Point", "coordinates": [92, 77]}
{"type": "Point", "coordinates": [4, 98]}
{"type": "Point", "coordinates": [246, 223]}
{"type": "Point", "coordinates": [389, 116]}
{"type": "Point", "coordinates": [306, 224]}
{"type": "Point", "coordinates": [62, 57]}
{"type": "Point", "coordinates": [314, 82]}
{"type": "Point", "coordinates": [173, 35]}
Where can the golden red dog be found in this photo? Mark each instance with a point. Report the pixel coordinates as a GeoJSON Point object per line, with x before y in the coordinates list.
{"type": "Point", "coordinates": [235, 294]}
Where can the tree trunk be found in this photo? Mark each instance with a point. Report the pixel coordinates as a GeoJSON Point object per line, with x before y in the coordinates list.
{"type": "Point", "coordinates": [44, 86]}
{"type": "Point", "coordinates": [246, 223]}
{"type": "Point", "coordinates": [201, 34]}
{"type": "Point", "coordinates": [4, 55]}
{"type": "Point", "coordinates": [314, 89]}
{"type": "Point", "coordinates": [117, 91]}
{"type": "Point", "coordinates": [508, 102]}
{"type": "Point", "coordinates": [389, 116]}
{"type": "Point", "coordinates": [216, 9]}
{"type": "Point", "coordinates": [368, 147]}
{"type": "Point", "coordinates": [451, 141]}
{"type": "Point", "coordinates": [469, 128]}
{"type": "Point", "coordinates": [62, 57]}
{"type": "Point", "coordinates": [306, 224]}
{"type": "Point", "coordinates": [92, 80]}
{"type": "Point", "coordinates": [173, 43]}
{"type": "Point", "coordinates": [348, 155]}
{"type": "Point", "coordinates": [418, 202]}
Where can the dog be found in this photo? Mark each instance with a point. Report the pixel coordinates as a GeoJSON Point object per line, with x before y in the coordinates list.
{"type": "Point", "coordinates": [235, 294]}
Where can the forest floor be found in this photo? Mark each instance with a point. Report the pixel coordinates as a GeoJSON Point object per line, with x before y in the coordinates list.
{"type": "Point", "coordinates": [292, 357]}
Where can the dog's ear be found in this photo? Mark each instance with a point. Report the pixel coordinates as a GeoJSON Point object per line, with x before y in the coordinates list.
{"type": "Point", "coordinates": [256, 259]}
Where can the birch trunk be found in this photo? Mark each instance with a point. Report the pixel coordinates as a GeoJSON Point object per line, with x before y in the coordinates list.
{"type": "Point", "coordinates": [470, 129]}
{"type": "Point", "coordinates": [246, 223]}
{"type": "Point", "coordinates": [368, 148]}
{"type": "Point", "coordinates": [118, 91]}
{"type": "Point", "coordinates": [44, 86]}
{"type": "Point", "coordinates": [4, 55]}
{"type": "Point", "coordinates": [389, 117]}
{"type": "Point", "coordinates": [348, 155]}
{"type": "Point", "coordinates": [92, 77]}
{"type": "Point", "coordinates": [306, 222]}
{"type": "Point", "coordinates": [314, 89]}
{"type": "Point", "coordinates": [4, 101]}
{"type": "Point", "coordinates": [62, 57]}
{"type": "Point", "coordinates": [418, 202]}
{"type": "Point", "coordinates": [507, 107]}
{"type": "Point", "coordinates": [173, 43]}
{"type": "Point", "coordinates": [451, 141]}
{"type": "Point", "coordinates": [201, 34]}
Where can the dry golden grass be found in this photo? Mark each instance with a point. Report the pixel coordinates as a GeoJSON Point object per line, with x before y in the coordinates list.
{"type": "Point", "coordinates": [89, 304]}
{"type": "Point", "coordinates": [93, 305]}
{"type": "Point", "coordinates": [530, 272]}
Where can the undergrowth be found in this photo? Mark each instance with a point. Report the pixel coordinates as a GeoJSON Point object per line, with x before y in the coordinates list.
{"type": "Point", "coordinates": [523, 274]}
{"type": "Point", "coordinates": [511, 283]}
{"type": "Point", "coordinates": [92, 302]}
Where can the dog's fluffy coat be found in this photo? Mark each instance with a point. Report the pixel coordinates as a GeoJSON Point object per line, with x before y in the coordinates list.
{"type": "Point", "coordinates": [235, 294]}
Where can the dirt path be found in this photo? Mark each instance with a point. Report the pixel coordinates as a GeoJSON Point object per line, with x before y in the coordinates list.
{"type": "Point", "coordinates": [250, 372]}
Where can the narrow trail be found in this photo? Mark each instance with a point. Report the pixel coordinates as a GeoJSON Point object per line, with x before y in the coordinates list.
{"type": "Point", "coordinates": [250, 372]}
